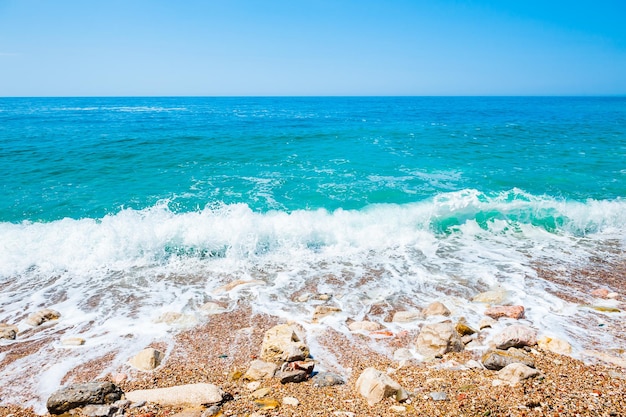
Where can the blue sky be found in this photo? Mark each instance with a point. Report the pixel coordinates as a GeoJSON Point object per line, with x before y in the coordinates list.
{"type": "Point", "coordinates": [306, 47]}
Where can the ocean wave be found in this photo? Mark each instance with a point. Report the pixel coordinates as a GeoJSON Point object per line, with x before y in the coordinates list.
{"type": "Point", "coordinates": [153, 235]}
{"type": "Point", "coordinates": [112, 275]}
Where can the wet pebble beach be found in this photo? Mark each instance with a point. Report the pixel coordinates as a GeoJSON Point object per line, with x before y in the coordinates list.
{"type": "Point", "coordinates": [222, 351]}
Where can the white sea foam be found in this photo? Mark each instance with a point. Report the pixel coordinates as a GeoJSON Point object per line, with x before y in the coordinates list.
{"type": "Point", "coordinates": [111, 277]}
{"type": "Point", "coordinates": [123, 109]}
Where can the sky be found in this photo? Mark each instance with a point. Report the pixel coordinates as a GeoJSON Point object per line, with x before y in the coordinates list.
{"type": "Point", "coordinates": [312, 47]}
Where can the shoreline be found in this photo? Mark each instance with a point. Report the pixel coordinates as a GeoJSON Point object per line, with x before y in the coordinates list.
{"type": "Point", "coordinates": [219, 350]}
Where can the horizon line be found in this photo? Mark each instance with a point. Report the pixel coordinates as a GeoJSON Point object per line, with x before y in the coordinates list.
{"type": "Point", "coordinates": [329, 96]}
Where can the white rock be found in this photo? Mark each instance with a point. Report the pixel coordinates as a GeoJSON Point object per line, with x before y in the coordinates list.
{"type": "Point", "coordinates": [406, 316]}
{"type": "Point", "coordinates": [496, 296]}
{"type": "Point", "coordinates": [514, 373]}
{"type": "Point", "coordinates": [437, 339]}
{"type": "Point", "coordinates": [403, 354]}
{"type": "Point", "coordinates": [8, 331]}
{"type": "Point", "coordinates": [303, 298]}
{"type": "Point", "coordinates": [176, 319]}
{"type": "Point", "coordinates": [260, 370]}
{"type": "Point", "coordinates": [323, 311]}
{"type": "Point", "coordinates": [147, 360]}
{"type": "Point", "coordinates": [436, 309]}
{"type": "Point", "coordinates": [43, 316]}
{"type": "Point", "coordinates": [292, 401]}
{"type": "Point", "coordinates": [516, 335]}
{"type": "Point", "coordinates": [555, 345]}
{"type": "Point", "coordinates": [73, 341]}
{"type": "Point", "coordinates": [211, 308]}
{"type": "Point", "coordinates": [398, 408]}
{"type": "Point", "coordinates": [261, 392]}
{"type": "Point", "coordinates": [368, 326]}
{"type": "Point", "coordinates": [375, 386]}
{"type": "Point", "coordinates": [181, 395]}
{"type": "Point", "coordinates": [253, 386]}
{"type": "Point", "coordinates": [238, 283]}
{"type": "Point", "coordinates": [282, 344]}
{"type": "Point", "coordinates": [486, 322]}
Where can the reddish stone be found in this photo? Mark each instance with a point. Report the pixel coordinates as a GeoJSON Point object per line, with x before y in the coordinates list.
{"type": "Point", "coordinates": [514, 312]}
{"type": "Point", "coordinates": [306, 366]}
{"type": "Point", "coordinates": [381, 333]}
{"type": "Point", "coordinates": [600, 293]}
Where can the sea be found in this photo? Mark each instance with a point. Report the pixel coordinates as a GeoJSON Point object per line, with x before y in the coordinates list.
{"type": "Point", "coordinates": [118, 211]}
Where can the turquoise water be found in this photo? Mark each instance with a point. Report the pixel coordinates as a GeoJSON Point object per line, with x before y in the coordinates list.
{"type": "Point", "coordinates": [117, 210]}
{"type": "Point", "coordinates": [87, 157]}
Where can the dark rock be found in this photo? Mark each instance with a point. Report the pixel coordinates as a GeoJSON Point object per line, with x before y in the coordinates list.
{"type": "Point", "coordinates": [291, 376]}
{"type": "Point", "coordinates": [79, 395]}
{"type": "Point", "coordinates": [327, 379]}
{"type": "Point", "coordinates": [497, 359]}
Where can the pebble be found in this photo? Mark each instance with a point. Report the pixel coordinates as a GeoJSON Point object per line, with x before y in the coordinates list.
{"type": "Point", "coordinates": [292, 401]}
{"type": "Point", "coordinates": [281, 343]}
{"type": "Point", "coordinates": [260, 370]}
{"type": "Point", "coordinates": [555, 345]}
{"type": "Point", "coordinates": [486, 323]}
{"type": "Point", "coordinates": [491, 297]}
{"type": "Point", "coordinates": [8, 331]}
{"type": "Point", "coordinates": [513, 312]}
{"type": "Point", "coordinates": [517, 335]}
{"type": "Point", "coordinates": [438, 396]}
{"type": "Point", "coordinates": [514, 373]}
{"type": "Point", "coordinates": [406, 316]}
{"type": "Point", "coordinates": [436, 309]}
{"type": "Point", "coordinates": [260, 393]}
{"type": "Point", "coordinates": [303, 298]}
{"type": "Point", "coordinates": [600, 293]}
{"type": "Point", "coordinates": [327, 379]}
{"type": "Point", "coordinates": [93, 410]}
{"type": "Point", "coordinates": [73, 341]}
{"type": "Point", "coordinates": [42, 316]}
{"type": "Point", "coordinates": [147, 360]}
{"type": "Point", "coordinates": [253, 386]}
{"type": "Point", "coordinates": [267, 403]}
{"type": "Point", "coordinates": [435, 340]}
{"type": "Point", "coordinates": [403, 354]}
{"type": "Point", "coordinates": [398, 408]}
{"type": "Point", "coordinates": [238, 283]}
{"type": "Point", "coordinates": [323, 297]}
{"type": "Point", "coordinates": [498, 359]}
{"type": "Point", "coordinates": [211, 308]}
{"type": "Point", "coordinates": [211, 411]}
{"type": "Point", "coordinates": [367, 326]}
{"type": "Point", "coordinates": [323, 311]}
{"type": "Point", "coordinates": [463, 329]}
{"type": "Point", "coordinates": [286, 377]}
